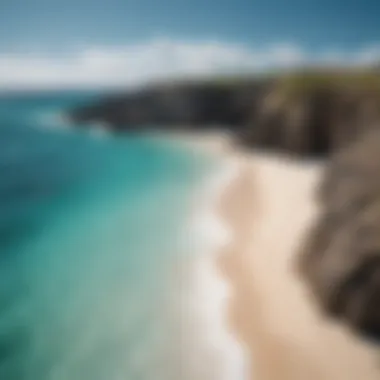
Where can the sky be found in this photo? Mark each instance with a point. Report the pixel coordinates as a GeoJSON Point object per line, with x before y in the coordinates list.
{"type": "Point", "coordinates": [123, 41]}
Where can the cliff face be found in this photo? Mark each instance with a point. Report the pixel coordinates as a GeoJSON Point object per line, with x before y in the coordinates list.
{"type": "Point", "coordinates": [193, 105]}
{"type": "Point", "coordinates": [341, 260]}
{"type": "Point", "coordinates": [297, 115]}
{"type": "Point", "coordinates": [311, 121]}
{"type": "Point", "coordinates": [310, 115]}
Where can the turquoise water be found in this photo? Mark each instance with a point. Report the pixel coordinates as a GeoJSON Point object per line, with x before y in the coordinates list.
{"type": "Point", "coordinates": [89, 230]}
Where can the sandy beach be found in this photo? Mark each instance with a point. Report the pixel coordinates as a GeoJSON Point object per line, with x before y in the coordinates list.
{"type": "Point", "coordinates": [269, 207]}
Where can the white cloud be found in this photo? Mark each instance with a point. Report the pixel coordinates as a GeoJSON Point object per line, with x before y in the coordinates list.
{"type": "Point", "coordinates": [369, 55]}
{"type": "Point", "coordinates": [160, 58]}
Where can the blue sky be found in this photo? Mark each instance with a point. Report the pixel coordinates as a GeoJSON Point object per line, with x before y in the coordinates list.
{"type": "Point", "coordinates": [65, 24]}
{"type": "Point", "coordinates": [125, 42]}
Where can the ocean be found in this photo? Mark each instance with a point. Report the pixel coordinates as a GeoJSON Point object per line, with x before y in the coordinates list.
{"type": "Point", "coordinates": [96, 251]}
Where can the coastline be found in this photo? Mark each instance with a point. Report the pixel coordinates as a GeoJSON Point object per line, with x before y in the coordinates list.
{"type": "Point", "coordinates": [251, 317]}
{"type": "Point", "coordinates": [211, 342]}
{"type": "Point", "coordinates": [215, 144]}
{"type": "Point", "coordinates": [270, 309]}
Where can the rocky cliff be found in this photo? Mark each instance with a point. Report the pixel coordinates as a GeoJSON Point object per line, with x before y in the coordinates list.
{"type": "Point", "coordinates": [309, 114]}
{"type": "Point", "coordinates": [334, 115]}
{"type": "Point", "coordinates": [314, 113]}
{"type": "Point", "coordinates": [195, 105]}
{"type": "Point", "coordinates": [341, 260]}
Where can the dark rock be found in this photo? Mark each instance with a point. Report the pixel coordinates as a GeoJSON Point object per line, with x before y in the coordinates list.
{"type": "Point", "coordinates": [195, 105]}
{"type": "Point", "coordinates": [341, 259]}
{"type": "Point", "coordinates": [302, 120]}
{"type": "Point", "coordinates": [312, 123]}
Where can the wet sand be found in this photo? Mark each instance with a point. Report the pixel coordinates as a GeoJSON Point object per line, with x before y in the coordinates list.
{"type": "Point", "coordinates": [269, 207]}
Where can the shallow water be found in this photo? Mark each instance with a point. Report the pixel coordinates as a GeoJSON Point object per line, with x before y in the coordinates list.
{"type": "Point", "coordinates": [91, 232]}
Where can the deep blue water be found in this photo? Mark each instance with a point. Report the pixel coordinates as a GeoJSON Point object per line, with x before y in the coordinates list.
{"type": "Point", "coordinates": [89, 230]}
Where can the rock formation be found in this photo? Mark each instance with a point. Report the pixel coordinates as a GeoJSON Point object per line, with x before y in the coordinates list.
{"type": "Point", "coordinates": [341, 259]}
{"type": "Point", "coordinates": [311, 121]}
{"type": "Point", "coordinates": [200, 105]}
{"type": "Point", "coordinates": [306, 115]}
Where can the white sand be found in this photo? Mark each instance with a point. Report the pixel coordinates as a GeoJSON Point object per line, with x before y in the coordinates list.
{"type": "Point", "coordinates": [264, 213]}
{"type": "Point", "coordinates": [271, 207]}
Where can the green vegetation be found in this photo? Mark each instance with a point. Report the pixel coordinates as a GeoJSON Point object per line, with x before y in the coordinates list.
{"type": "Point", "coordinates": [294, 83]}
{"type": "Point", "coordinates": [351, 80]}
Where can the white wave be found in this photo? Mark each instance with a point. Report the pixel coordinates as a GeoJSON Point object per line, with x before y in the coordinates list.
{"type": "Point", "coordinates": [214, 351]}
{"type": "Point", "coordinates": [56, 120]}
{"type": "Point", "coordinates": [52, 120]}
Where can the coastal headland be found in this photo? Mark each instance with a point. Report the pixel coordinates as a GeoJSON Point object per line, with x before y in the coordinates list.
{"type": "Point", "coordinates": [305, 259]}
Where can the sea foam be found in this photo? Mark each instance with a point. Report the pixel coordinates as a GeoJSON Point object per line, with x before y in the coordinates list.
{"type": "Point", "coordinates": [214, 349]}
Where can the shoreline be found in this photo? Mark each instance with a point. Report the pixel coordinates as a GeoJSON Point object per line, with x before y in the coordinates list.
{"type": "Point", "coordinates": [250, 309]}
{"type": "Point", "coordinates": [270, 310]}
{"type": "Point", "coordinates": [216, 144]}
{"type": "Point", "coordinates": [209, 291]}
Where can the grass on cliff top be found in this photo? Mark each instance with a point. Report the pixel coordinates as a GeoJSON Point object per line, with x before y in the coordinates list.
{"type": "Point", "coordinates": [358, 80]}
{"type": "Point", "coordinates": [294, 83]}
{"type": "Point", "coordinates": [217, 81]}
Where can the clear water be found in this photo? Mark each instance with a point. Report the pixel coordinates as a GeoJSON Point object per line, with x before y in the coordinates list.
{"type": "Point", "coordinates": [90, 233]}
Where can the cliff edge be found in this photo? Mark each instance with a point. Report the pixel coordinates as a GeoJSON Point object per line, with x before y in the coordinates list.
{"type": "Point", "coordinates": [310, 113]}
